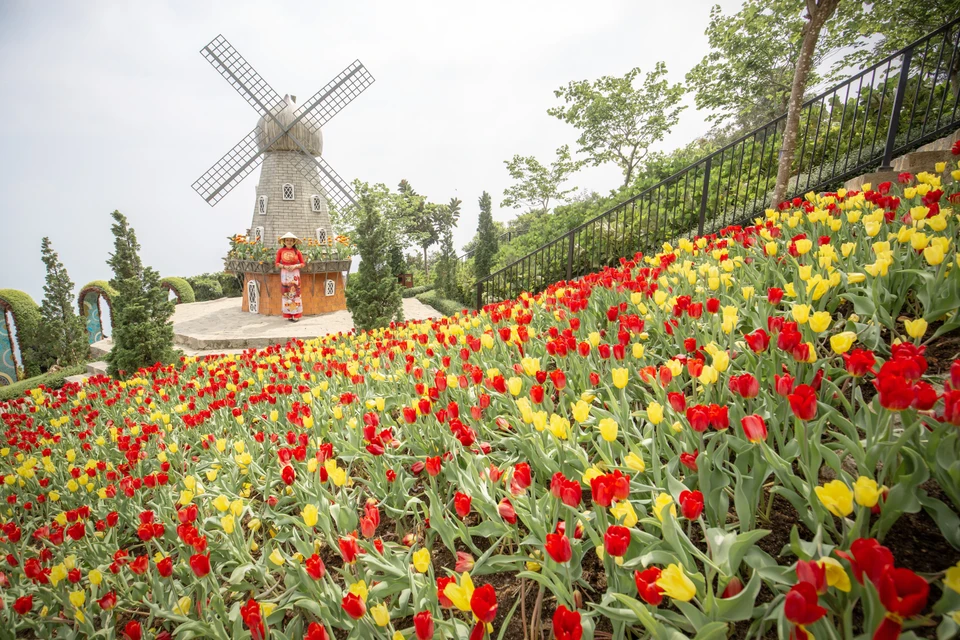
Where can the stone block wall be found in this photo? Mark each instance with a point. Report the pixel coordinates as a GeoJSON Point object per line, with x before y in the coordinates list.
{"type": "Point", "coordinates": [297, 215]}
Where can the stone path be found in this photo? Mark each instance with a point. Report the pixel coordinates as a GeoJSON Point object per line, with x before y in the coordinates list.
{"type": "Point", "coordinates": [220, 326]}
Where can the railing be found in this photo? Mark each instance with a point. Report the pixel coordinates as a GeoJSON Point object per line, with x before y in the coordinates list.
{"type": "Point", "coordinates": [901, 102]}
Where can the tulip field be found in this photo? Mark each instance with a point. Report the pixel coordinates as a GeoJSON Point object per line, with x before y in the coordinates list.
{"type": "Point", "coordinates": [754, 434]}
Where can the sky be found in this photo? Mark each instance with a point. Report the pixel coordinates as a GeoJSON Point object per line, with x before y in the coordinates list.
{"type": "Point", "coordinates": [109, 105]}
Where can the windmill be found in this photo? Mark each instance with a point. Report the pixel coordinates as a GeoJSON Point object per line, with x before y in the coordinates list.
{"type": "Point", "coordinates": [296, 185]}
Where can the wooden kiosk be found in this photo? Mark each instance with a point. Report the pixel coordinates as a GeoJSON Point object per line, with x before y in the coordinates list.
{"type": "Point", "coordinates": [322, 285]}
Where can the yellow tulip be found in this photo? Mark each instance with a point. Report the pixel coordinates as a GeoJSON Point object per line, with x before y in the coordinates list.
{"type": "Point", "coordinates": [222, 503]}
{"type": "Point", "coordinates": [801, 313]}
{"type": "Point", "coordinates": [559, 426]}
{"type": "Point", "coordinates": [360, 590]}
{"type": "Point", "coordinates": [276, 558]}
{"type": "Point", "coordinates": [461, 594]}
{"type": "Point", "coordinates": [183, 606]}
{"type": "Point", "coordinates": [620, 377]}
{"type": "Point", "coordinates": [662, 501]}
{"type": "Point", "coordinates": [380, 614]}
{"type": "Point", "coordinates": [721, 360]}
{"type": "Point", "coordinates": [637, 350]}
{"type": "Point", "coordinates": [421, 560]}
{"type": "Point", "coordinates": [310, 515]}
{"type": "Point", "coordinates": [836, 497]}
{"type": "Point", "coordinates": [515, 385]}
{"type": "Point", "coordinates": [803, 246]}
{"type": "Point", "coordinates": [95, 577]}
{"type": "Point", "coordinates": [530, 365]}
{"type": "Point", "coordinates": [624, 511]}
{"type": "Point", "coordinates": [819, 321]}
{"type": "Point", "coordinates": [227, 522]}
{"type": "Point", "coordinates": [608, 429]}
{"type": "Point", "coordinates": [933, 254]}
{"type": "Point", "coordinates": [655, 412]}
{"type": "Point", "coordinates": [916, 328]}
{"type": "Point", "coordinates": [836, 574]}
{"type": "Point", "coordinates": [842, 342]}
{"type": "Point", "coordinates": [866, 492]}
{"type": "Point", "coordinates": [952, 578]}
{"type": "Point", "coordinates": [675, 583]}
{"type": "Point", "coordinates": [581, 411]}
{"type": "Point", "coordinates": [77, 598]}
{"type": "Point", "coordinates": [634, 462]}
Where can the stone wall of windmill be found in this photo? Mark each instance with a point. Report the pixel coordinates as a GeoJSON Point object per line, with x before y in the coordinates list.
{"type": "Point", "coordinates": [276, 210]}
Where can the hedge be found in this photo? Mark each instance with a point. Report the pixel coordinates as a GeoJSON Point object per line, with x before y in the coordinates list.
{"type": "Point", "coordinates": [206, 288]}
{"type": "Point", "coordinates": [102, 287]}
{"type": "Point", "coordinates": [26, 317]}
{"type": "Point", "coordinates": [444, 306]}
{"type": "Point", "coordinates": [413, 292]}
{"type": "Point", "coordinates": [180, 287]}
{"type": "Point", "coordinates": [53, 380]}
{"type": "Point", "coordinates": [230, 284]}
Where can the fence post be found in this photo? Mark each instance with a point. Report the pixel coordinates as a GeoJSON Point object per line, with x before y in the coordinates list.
{"type": "Point", "coordinates": [703, 196]}
{"type": "Point", "coordinates": [570, 257]}
{"type": "Point", "coordinates": [479, 294]}
{"type": "Point", "coordinates": [895, 113]}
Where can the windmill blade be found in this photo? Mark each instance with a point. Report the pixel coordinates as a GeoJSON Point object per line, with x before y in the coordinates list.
{"type": "Point", "coordinates": [328, 181]}
{"type": "Point", "coordinates": [231, 169]}
{"type": "Point", "coordinates": [230, 64]}
{"type": "Point", "coordinates": [337, 94]}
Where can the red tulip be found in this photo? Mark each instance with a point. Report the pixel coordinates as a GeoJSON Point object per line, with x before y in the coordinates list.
{"type": "Point", "coordinates": [423, 625]}
{"type": "Point", "coordinates": [316, 631]}
{"type": "Point", "coordinates": [461, 503]}
{"type": "Point", "coordinates": [288, 475]}
{"type": "Point", "coordinates": [754, 428]}
{"type": "Point", "coordinates": [521, 475]}
{"type": "Point", "coordinates": [610, 487]}
{"type": "Point", "coordinates": [567, 491]}
{"type": "Point", "coordinates": [894, 391]}
{"type": "Point", "coordinates": [354, 606]}
{"type": "Point", "coordinates": [442, 583]}
{"type": "Point", "coordinates": [616, 540]}
{"type": "Point", "coordinates": [566, 624]}
{"type": "Point", "coordinates": [813, 573]}
{"type": "Point", "coordinates": [699, 418]}
{"type": "Point", "coordinates": [689, 460]}
{"type": "Point", "coordinates": [733, 588]}
{"type": "Point", "coordinates": [903, 594]}
{"type": "Point", "coordinates": [253, 619]}
{"type": "Point", "coordinates": [315, 567]}
{"type": "Point", "coordinates": [677, 401]}
{"type": "Point", "coordinates": [774, 295]}
{"type": "Point", "coordinates": [483, 603]}
{"type": "Point", "coordinates": [783, 385]}
{"type": "Point", "coordinates": [758, 341]}
{"type": "Point", "coordinates": [691, 504]}
{"type": "Point", "coordinates": [132, 631]}
{"type": "Point", "coordinates": [23, 605]}
{"type": "Point", "coordinates": [745, 385]}
{"type": "Point", "coordinates": [433, 465]}
{"type": "Point", "coordinates": [800, 606]}
{"type": "Point", "coordinates": [647, 585]}
{"type": "Point", "coordinates": [200, 564]}
{"type": "Point", "coordinates": [859, 362]}
{"type": "Point", "coordinates": [803, 402]}
{"type": "Point", "coordinates": [507, 512]}
{"type": "Point", "coordinates": [108, 601]}
{"type": "Point", "coordinates": [349, 549]}
{"type": "Point", "coordinates": [558, 547]}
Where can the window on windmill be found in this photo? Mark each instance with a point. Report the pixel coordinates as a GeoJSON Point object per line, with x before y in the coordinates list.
{"type": "Point", "coordinates": [288, 191]}
{"type": "Point", "coordinates": [316, 203]}
{"type": "Point", "coordinates": [262, 205]}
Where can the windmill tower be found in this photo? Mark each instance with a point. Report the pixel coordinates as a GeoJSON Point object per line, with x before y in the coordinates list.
{"type": "Point", "coordinates": [296, 187]}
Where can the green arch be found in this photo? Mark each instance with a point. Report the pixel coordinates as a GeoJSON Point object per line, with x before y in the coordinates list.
{"type": "Point", "coordinates": [180, 287]}
{"type": "Point", "coordinates": [92, 291]}
{"type": "Point", "coordinates": [26, 319]}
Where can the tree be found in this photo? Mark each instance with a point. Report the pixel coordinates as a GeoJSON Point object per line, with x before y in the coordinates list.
{"type": "Point", "coordinates": [446, 282]}
{"type": "Point", "coordinates": [398, 263]}
{"type": "Point", "coordinates": [537, 186]}
{"type": "Point", "coordinates": [818, 12]}
{"type": "Point", "coordinates": [63, 333]}
{"type": "Point", "coordinates": [745, 79]}
{"type": "Point", "coordinates": [373, 293]}
{"type": "Point", "coordinates": [486, 245]}
{"type": "Point", "coordinates": [617, 122]}
{"type": "Point", "coordinates": [142, 333]}
{"type": "Point", "coordinates": [419, 219]}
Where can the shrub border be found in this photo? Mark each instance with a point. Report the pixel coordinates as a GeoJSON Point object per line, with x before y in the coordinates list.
{"type": "Point", "coordinates": [26, 318]}
{"type": "Point", "coordinates": [180, 287]}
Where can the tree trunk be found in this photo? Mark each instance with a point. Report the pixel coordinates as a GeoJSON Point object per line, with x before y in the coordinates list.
{"type": "Point", "coordinates": [426, 274]}
{"type": "Point", "coordinates": [819, 12]}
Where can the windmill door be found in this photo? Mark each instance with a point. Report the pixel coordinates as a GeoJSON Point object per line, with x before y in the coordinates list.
{"type": "Point", "coordinates": [253, 296]}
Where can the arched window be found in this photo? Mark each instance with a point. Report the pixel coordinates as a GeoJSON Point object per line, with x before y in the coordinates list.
{"type": "Point", "coordinates": [331, 288]}
{"type": "Point", "coordinates": [288, 191]}
{"type": "Point", "coordinates": [262, 205]}
{"type": "Point", "coordinates": [322, 235]}
{"type": "Point", "coordinates": [258, 235]}
{"type": "Point", "coordinates": [316, 203]}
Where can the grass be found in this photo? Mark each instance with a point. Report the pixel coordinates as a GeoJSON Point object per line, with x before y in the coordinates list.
{"type": "Point", "coordinates": [51, 380]}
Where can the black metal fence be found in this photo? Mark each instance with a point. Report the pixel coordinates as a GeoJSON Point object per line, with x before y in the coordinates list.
{"type": "Point", "coordinates": [898, 104]}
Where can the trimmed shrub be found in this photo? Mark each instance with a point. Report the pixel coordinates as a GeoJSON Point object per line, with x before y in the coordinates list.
{"type": "Point", "coordinates": [230, 284]}
{"type": "Point", "coordinates": [26, 317]}
{"type": "Point", "coordinates": [181, 287]}
{"type": "Point", "coordinates": [413, 292]}
{"type": "Point", "coordinates": [51, 380]}
{"type": "Point", "coordinates": [205, 288]}
{"type": "Point", "coordinates": [442, 305]}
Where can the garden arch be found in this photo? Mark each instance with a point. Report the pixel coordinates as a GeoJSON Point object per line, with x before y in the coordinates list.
{"type": "Point", "coordinates": [18, 348]}
{"type": "Point", "coordinates": [180, 288]}
{"type": "Point", "coordinates": [89, 304]}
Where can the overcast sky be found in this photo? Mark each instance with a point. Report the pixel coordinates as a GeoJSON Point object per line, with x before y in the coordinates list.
{"type": "Point", "coordinates": [110, 106]}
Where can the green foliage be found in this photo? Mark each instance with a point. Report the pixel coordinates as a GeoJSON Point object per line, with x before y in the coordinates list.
{"type": "Point", "coordinates": [421, 222]}
{"type": "Point", "coordinates": [230, 284]}
{"type": "Point", "coordinates": [447, 265]}
{"type": "Point", "coordinates": [618, 122]}
{"type": "Point", "coordinates": [398, 263]}
{"type": "Point", "coordinates": [487, 245]}
{"type": "Point", "coordinates": [181, 287]}
{"type": "Point", "coordinates": [50, 380]}
{"type": "Point", "coordinates": [413, 292]}
{"type": "Point", "coordinates": [142, 333]}
{"type": "Point", "coordinates": [205, 287]}
{"type": "Point", "coordinates": [444, 306]}
{"type": "Point", "coordinates": [62, 333]}
{"type": "Point", "coordinates": [373, 293]}
{"type": "Point", "coordinates": [536, 186]}
{"type": "Point", "coordinates": [26, 317]}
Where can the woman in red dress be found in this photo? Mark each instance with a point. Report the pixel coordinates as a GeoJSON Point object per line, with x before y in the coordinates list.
{"type": "Point", "coordinates": [289, 259]}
